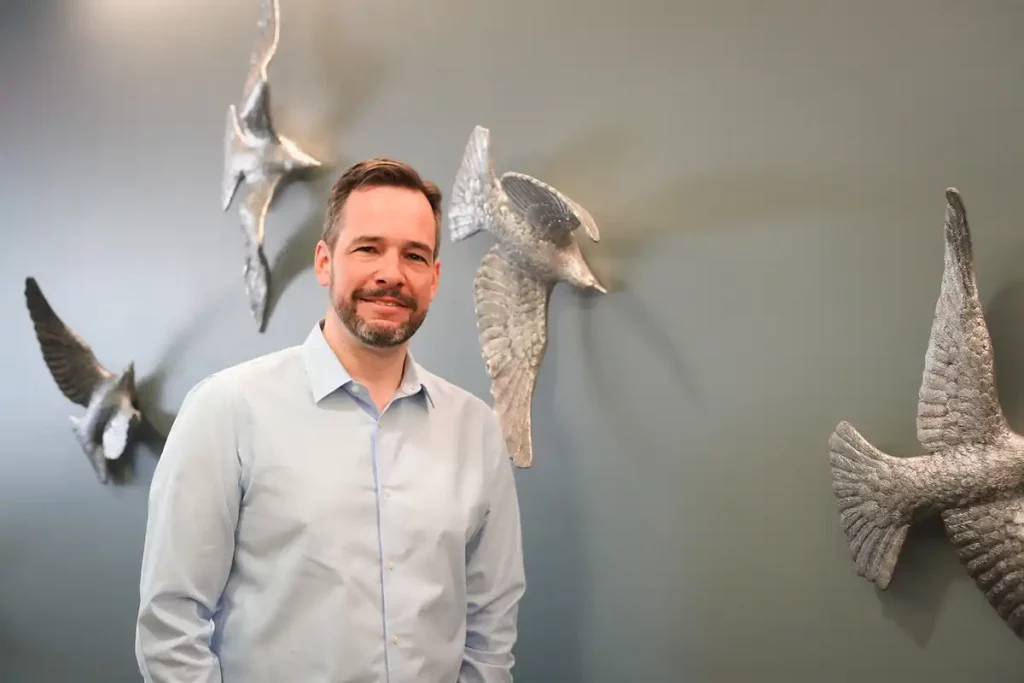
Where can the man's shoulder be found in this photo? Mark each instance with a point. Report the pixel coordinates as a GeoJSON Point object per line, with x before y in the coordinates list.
{"type": "Point", "coordinates": [243, 377]}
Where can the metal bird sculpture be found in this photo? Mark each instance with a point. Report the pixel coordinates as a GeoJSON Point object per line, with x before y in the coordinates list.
{"type": "Point", "coordinates": [256, 153]}
{"type": "Point", "coordinates": [972, 468]}
{"type": "Point", "coordinates": [533, 224]}
{"type": "Point", "coordinates": [112, 418]}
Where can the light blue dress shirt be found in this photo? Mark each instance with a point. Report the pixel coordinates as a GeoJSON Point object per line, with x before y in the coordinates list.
{"type": "Point", "coordinates": [297, 534]}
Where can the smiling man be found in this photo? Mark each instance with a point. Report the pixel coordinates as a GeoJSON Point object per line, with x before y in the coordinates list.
{"type": "Point", "coordinates": [333, 512]}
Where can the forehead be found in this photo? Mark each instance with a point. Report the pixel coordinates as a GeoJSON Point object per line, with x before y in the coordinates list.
{"type": "Point", "coordinates": [390, 213]}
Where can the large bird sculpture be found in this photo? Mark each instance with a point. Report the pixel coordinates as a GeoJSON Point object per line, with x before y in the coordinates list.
{"type": "Point", "coordinates": [972, 470]}
{"type": "Point", "coordinates": [112, 418]}
{"type": "Point", "coordinates": [256, 153]}
{"type": "Point", "coordinates": [535, 248]}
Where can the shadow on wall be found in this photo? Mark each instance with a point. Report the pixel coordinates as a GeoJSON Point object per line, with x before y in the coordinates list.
{"type": "Point", "coordinates": [297, 253]}
{"type": "Point", "coordinates": [1005, 315]}
{"type": "Point", "coordinates": [341, 93]}
{"type": "Point", "coordinates": [712, 202]}
{"type": "Point", "coordinates": [553, 614]}
{"type": "Point", "coordinates": [920, 583]}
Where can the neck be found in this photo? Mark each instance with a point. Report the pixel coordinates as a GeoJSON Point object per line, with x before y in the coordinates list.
{"type": "Point", "coordinates": [379, 369]}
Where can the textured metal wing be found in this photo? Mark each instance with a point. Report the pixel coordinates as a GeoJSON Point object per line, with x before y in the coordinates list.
{"type": "Point", "coordinates": [256, 270]}
{"type": "Point", "coordinates": [70, 360]}
{"type": "Point", "coordinates": [544, 207]}
{"type": "Point", "coordinates": [476, 192]}
{"type": "Point", "coordinates": [958, 403]}
{"type": "Point", "coordinates": [254, 108]}
{"type": "Point", "coordinates": [989, 538]}
{"type": "Point", "coordinates": [511, 310]}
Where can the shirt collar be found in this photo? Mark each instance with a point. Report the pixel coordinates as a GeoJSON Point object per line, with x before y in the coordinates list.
{"type": "Point", "coordinates": [327, 374]}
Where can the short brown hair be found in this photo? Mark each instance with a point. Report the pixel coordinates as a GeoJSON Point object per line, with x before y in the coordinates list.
{"type": "Point", "coordinates": [378, 172]}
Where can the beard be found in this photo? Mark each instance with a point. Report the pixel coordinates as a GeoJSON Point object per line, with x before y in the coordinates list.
{"type": "Point", "coordinates": [377, 334]}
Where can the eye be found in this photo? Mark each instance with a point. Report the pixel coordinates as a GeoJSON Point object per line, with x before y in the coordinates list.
{"type": "Point", "coordinates": [365, 248]}
{"type": "Point", "coordinates": [418, 257]}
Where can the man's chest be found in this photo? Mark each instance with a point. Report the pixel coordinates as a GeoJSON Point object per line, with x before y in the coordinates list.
{"type": "Point", "coordinates": [348, 489]}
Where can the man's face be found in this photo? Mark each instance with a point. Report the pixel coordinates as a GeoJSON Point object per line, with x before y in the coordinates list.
{"type": "Point", "coordinates": [381, 273]}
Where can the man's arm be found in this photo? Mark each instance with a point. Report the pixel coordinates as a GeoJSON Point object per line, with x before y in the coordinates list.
{"type": "Point", "coordinates": [495, 578]}
{"type": "Point", "coordinates": [193, 510]}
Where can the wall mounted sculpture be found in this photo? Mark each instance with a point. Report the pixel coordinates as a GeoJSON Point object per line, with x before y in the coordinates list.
{"type": "Point", "coordinates": [112, 418]}
{"type": "Point", "coordinates": [973, 464]}
{"type": "Point", "coordinates": [533, 224]}
{"type": "Point", "coordinates": [256, 153]}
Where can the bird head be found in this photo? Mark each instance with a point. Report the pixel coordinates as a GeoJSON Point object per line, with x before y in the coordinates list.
{"type": "Point", "coordinates": [296, 159]}
{"type": "Point", "coordinates": [577, 271]}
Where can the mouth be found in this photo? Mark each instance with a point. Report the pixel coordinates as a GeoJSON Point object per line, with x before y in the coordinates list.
{"type": "Point", "coordinates": [386, 301]}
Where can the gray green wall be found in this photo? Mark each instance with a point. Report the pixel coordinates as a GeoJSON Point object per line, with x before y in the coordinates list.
{"type": "Point", "coordinates": [769, 182]}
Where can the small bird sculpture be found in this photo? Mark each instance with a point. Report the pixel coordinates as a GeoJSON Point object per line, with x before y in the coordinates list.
{"type": "Point", "coordinates": [972, 470]}
{"type": "Point", "coordinates": [256, 153]}
{"type": "Point", "coordinates": [533, 224]}
{"type": "Point", "coordinates": [112, 416]}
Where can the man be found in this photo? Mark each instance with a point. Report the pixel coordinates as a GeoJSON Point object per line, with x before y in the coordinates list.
{"type": "Point", "coordinates": [332, 512]}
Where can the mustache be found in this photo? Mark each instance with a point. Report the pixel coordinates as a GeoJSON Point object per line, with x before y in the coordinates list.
{"type": "Point", "coordinates": [395, 294]}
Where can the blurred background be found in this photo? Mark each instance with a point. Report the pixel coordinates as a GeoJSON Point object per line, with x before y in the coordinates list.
{"type": "Point", "coordinates": [769, 182]}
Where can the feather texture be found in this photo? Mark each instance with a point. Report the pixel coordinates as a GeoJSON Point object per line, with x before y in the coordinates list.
{"type": "Point", "coordinates": [511, 312]}
{"type": "Point", "coordinates": [972, 468]}
{"type": "Point", "coordinates": [69, 359]}
{"type": "Point", "coordinates": [958, 402]}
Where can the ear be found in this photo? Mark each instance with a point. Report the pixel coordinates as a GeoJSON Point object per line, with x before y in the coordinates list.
{"type": "Point", "coordinates": [322, 263]}
{"type": "Point", "coordinates": [437, 279]}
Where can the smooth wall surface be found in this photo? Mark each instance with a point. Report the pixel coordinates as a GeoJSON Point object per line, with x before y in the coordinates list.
{"type": "Point", "coordinates": [769, 181]}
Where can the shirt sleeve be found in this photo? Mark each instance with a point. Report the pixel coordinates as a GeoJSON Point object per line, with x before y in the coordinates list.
{"type": "Point", "coordinates": [193, 509]}
{"type": "Point", "coordinates": [495, 577]}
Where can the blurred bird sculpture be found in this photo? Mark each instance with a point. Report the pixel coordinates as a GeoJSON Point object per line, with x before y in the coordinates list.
{"type": "Point", "coordinates": [255, 152]}
{"type": "Point", "coordinates": [112, 418]}
{"type": "Point", "coordinates": [533, 224]}
{"type": "Point", "coordinates": [972, 470]}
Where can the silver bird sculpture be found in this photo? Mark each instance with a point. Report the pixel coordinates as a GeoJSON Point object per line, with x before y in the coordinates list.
{"type": "Point", "coordinates": [972, 469]}
{"type": "Point", "coordinates": [112, 418]}
{"type": "Point", "coordinates": [256, 153]}
{"type": "Point", "coordinates": [535, 248]}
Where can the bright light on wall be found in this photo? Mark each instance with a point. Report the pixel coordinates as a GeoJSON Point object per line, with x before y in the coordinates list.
{"type": "Point", "coordinates": [141, 27]}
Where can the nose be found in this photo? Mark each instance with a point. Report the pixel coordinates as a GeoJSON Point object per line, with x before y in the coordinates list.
{"type": "Point", "coordinates": [389, 271]}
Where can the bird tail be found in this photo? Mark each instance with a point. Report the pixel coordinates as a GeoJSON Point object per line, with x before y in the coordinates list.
{"type": "Point", "coordinates": [864, 480]}
{"type": "Point", "coordinates": [475, 187]}
{"type": "Point", "coordinates": [256, 273]}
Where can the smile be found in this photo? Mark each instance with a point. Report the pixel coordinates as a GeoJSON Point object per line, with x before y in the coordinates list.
{"type": "Point", "coordinates": [386, 302]}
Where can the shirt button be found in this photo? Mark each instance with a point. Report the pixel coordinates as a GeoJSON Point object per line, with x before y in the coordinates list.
{"type": "Point", "coordinates": [391, 565]}
{"type": "Point", "coordinates": [387, 493]}
{"type": "Point", "coordinates": [394, 639]}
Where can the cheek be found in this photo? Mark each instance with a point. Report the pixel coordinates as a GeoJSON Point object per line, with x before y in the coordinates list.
{"type": "Point", "coordinates": [424, 286]}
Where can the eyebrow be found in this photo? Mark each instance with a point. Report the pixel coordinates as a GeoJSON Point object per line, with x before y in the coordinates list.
{"type": "Point", "coordinates": [369, 239]}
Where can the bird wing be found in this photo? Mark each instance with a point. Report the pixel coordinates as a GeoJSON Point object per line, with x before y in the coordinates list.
{"type": "Point", "coordinates": [256, 270]}
{"type": "Point", "coordinates": [70, 360]}
{"type": "Point", "coordinates": [254, 108]}
{"type": "Point", "coordinates": [511, 310]}
{"type": "Point", "coordinates": [958, 403]}
{"type": "Point", "coordinates": [476, 192]}
{"type": "Point", "coordinates": [254, 209]}
{"type": "Point", "coordinates": [545, 207]}
{"type": "Point", "coordinates": [989, 539]}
